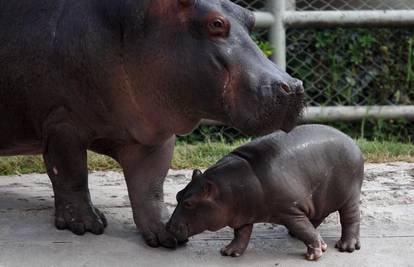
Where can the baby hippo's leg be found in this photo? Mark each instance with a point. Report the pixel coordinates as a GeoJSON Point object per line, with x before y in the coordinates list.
{"type": "Point", "coordinates": [316, 223]}
{"type": "Point", "coordinates": [304, 230]}
{"type": "Point", "coordinates": [239, 244]}
{"type": "Point", "coordinates": [350, 219]}
{"type": "Point", "coordinates": [324, 246]}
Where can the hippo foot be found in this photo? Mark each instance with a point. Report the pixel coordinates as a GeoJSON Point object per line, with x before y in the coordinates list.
{"type": "Point", "coordinates": [324, 246]}
{"type": "Point", "coordinates": [80, 219]}
{"type": "Point", "coordinates": [232, 250]}
{"type": "Point", "coordinates": [314, 253]}
{"type": "Point", "coordinates": [348, 244]}
{"type": "Point", "coordinates": [156, 235]}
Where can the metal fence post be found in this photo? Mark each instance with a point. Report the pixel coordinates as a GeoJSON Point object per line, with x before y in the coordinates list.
{"type": "Point", "coordinates": [278, 33]}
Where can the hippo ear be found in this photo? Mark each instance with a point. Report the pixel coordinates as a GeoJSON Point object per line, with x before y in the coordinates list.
{"type": "Point", "coordinates": [186, 3]}
{"type": "Point", "coordinates": [179, 195]}
{"type": "Point", "coordinates": [210, 190]}
{"type": "Point", "coordinates": [196, 174]}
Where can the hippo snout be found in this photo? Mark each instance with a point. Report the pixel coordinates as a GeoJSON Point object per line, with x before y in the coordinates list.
{"type": "Point", "coordinates": [179, 230]}
{"type": "Point", "coordinates": [295, 87]}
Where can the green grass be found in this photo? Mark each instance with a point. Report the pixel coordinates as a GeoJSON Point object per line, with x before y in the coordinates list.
{"type": "Point", "coordinates": [386, 151]}
{"type": "Point", "coordinates": [203, 155]}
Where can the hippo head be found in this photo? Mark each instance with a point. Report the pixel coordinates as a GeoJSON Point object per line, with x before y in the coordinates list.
{"type": "Point", "coordinates": [197, 60]}
{"type": "Point", "coordinates": [200, 207]}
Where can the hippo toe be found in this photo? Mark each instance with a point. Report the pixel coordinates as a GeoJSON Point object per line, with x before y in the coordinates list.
{"type": "Point", "coordinates": [348, 245]}
{"type": "Point", "coordinates": [80, 220]}
{"type": "Point", "coordinates": [232, 250]}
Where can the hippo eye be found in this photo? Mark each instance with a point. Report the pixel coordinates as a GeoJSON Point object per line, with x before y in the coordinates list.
{"type": "Point", "coordinates": [218, 27]}
{"type": "Point", "coordinates": [218, 23]}
{"type": "Point", "coordinates": [188, 204]}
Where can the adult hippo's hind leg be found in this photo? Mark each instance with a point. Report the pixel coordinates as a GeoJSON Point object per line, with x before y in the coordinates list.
{"type": "Point", "coordinates": [66, 163]}
{"type": "Point", "coordinates": [145, 169]}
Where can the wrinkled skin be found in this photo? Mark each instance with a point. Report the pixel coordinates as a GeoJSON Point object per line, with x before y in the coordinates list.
{"type": "Point", "coordinates": [122, 78]}
{"type": "Point", "coordinates": [294, 179]}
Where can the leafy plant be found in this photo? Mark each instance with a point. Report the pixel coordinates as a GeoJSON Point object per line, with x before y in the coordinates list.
{"type": "Point", "coordinates": [264, 45]}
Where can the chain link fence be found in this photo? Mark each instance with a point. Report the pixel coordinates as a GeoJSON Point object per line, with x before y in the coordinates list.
{"type": "Point", "coordinates": [349, 66]}
{"type": "Point", "coordinates": [354, 4]}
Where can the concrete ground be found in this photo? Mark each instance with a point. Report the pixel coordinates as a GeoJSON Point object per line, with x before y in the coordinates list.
{"type": "Point", "coordinates": [28, 237]}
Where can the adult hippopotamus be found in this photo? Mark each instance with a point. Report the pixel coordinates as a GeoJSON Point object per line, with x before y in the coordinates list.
{"type": "Point", "coordinates": [122, 78]}
{"type": "Point", "coordinates": [294, 179]}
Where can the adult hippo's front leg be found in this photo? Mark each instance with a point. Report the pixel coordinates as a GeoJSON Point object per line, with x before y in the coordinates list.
{"type": "Point", "coordinates": [145, 169]}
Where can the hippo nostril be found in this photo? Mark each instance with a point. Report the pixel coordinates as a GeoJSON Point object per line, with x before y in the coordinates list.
{"type": "Point", "coordinates": [298, 87]}
{"type": "Point", "coordinates": [285, 88]}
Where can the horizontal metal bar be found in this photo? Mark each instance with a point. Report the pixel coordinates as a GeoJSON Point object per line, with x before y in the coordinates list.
{"type": "Point", "coordinates": [264, 19]}
{"type": "Point", "coordinates": [359, 18]}
{"type": "Point", "coordinates": [349, 113]}
{"type": "Point", "coordinates": [353, 113]}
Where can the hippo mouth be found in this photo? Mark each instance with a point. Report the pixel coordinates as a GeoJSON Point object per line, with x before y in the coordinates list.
{"type": "Point", "coordinates": [181, 232]}
{"type": "Point", "coordinates": [265, 111]}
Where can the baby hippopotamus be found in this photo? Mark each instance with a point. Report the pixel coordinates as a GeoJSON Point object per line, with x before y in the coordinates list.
{"type": "Point", "coordinates": [294, 179]}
